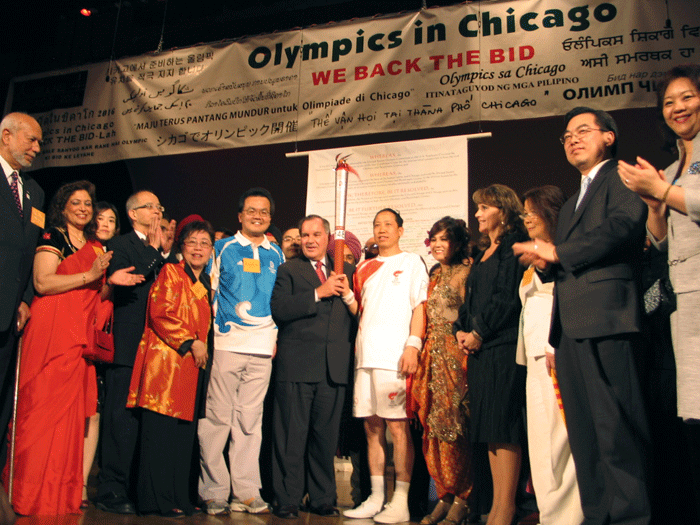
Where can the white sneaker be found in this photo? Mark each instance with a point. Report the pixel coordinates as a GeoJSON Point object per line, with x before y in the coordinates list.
{"type": "Point", "coordinates": [368, 509]}
{"type": "Point", "coordinates": [393, 513]}
{"type": "Point", "coordinates": [236, 505]}
{"type": "Point", "coordinates": [252, 506]}
{"type": "Point", "coordinates": [215, 507]}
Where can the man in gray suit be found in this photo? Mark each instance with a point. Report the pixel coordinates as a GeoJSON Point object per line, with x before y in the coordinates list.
{"type": "Point", "coordinates": [21, 202]}
{"type": "Point", "coordinates": [596, 323]}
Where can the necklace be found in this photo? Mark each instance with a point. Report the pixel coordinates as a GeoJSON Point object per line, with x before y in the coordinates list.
{"type": "Point", "coordinates": [81, 240]}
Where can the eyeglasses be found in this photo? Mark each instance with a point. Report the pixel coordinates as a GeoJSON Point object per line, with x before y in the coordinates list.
{"type": "Point", "coordinates": [578, 134]}
{"type": "Point", "coordinates": [151, 206]}
{"type": "Point", "coordinates": [251, 212]}
{"type": "Point", "coordinates": [195, 244]}
{"type": "Point", "coordinates": [291, 239]}
{"type": "Point", "coordinates": [371, 248]}
{"type": "Point", "coordinates": [531, 216]}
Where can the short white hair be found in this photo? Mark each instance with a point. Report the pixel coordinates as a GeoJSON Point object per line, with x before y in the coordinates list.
{"type": "Point", "coordinates": [13, 121]}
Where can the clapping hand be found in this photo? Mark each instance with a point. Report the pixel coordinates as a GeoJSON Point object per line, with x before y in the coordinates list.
{"type": "Point", "coordinates": [124, 277]}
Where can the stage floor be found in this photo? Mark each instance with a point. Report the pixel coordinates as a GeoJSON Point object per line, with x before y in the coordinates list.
{"type": "Point", "coordinates": [94, 516]}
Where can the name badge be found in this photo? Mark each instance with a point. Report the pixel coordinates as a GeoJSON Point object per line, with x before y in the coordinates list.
{"type": "Point", "coordinates": [251, 265]}
{"type": "Point", "coordinates": [38, 218]}
{"type": "Point", "coordinates": [199, 290]}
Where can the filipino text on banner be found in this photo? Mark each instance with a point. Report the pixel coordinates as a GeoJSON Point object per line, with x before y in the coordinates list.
{"type": "Point", "coordinates": [498, 60]}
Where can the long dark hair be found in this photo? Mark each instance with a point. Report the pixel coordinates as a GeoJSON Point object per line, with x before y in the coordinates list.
{"type": "Point", "coordinates": [505, 199]}
{"type": "Point", "coordinates": [689, 71]}
{"type": "Point", "coordinates": [104, 205]}
{"type": "Point", "coordinates": [61, 198]}
{"type": "Point", "coordinates": [546, 201]}
{"type": "Point", "coordinates": [458, 234]}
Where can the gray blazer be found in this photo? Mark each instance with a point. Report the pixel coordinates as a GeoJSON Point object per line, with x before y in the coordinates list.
{"type": "Point", "coordinates": [683, 238]}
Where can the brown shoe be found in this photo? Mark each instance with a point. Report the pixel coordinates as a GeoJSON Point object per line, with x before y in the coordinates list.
{"type": "Point", "coordinates": [459, 511]}
{"type": "Point", "coordinates": [438, 514]}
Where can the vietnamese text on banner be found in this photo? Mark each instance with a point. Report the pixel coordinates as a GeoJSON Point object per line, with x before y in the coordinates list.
{"type": "Point", "coordinates": [495, 60]}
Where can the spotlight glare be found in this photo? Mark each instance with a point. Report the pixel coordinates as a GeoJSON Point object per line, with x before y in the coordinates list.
{"type": "Point", "coordinates": [85, 12]}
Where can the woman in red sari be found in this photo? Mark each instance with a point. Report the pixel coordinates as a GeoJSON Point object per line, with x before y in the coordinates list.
{"type": "Point", "coordinates": [56, 392]}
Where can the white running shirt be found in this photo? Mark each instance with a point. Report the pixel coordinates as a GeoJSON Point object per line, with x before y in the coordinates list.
{"type": "Point", "coordinates": [389, 288]}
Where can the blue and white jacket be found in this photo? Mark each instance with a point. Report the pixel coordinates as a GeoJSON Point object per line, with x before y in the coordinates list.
{"type": "Point", "coordinates": [242, 318]}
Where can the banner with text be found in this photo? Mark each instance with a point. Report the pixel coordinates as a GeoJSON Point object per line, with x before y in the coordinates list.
{"type": "Point", "coordinates": [497, 60]}
{"type": "Point", "coordinates": [424, 180]}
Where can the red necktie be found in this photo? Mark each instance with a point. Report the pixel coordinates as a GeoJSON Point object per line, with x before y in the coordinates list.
{"type": "Point", "coordinates": [15, 192]}
{"type": "Point", "coordinates": [319, 271]}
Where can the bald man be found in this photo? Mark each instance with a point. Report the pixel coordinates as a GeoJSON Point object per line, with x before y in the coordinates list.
{"type": "Point", "coordinates": [22, 221]}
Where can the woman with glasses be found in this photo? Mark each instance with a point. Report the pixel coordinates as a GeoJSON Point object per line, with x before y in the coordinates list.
{"type": "Point", "coordinates": [169, 379]}
{"type": "Point", "coordinates": [487, 331]}
{"type": "Point", "coordinates": [551, 463]}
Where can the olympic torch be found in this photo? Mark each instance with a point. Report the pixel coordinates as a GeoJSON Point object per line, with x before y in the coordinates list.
{"type": "Point", "coordinates": [342, 169]}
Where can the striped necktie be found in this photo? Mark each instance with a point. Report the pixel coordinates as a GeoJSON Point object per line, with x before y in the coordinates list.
{"type": "Point", "coordinates": [15, 192]}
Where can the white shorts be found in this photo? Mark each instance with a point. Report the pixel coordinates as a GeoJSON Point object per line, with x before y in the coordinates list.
{"type": "Point", "coordinates": [379, 392]}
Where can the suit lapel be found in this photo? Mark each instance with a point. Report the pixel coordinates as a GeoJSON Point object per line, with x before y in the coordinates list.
{"type": "Point", "coordinates": [6, 193]}
{"type": "Point", "coordinates": [27, 203]}
{"type": "Point", "coordinates": [308, 272]}
{"type": "Point", "coordinates": [588, 197]}
{"type": "Point", "coordinates": [137, 242]}
{"type": "Point", "coordinates": [566, 215]}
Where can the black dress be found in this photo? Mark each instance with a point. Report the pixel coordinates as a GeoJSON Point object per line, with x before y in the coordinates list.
{"type": "Point", "coordinates": [496, 384]}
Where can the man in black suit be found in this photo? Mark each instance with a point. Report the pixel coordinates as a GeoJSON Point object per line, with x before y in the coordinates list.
{"type": "Point", "coordinates": [21, 222]}
{"type": "Point", "coordinates": [139, 250]}
{"type": "Point", "coordinates": [312, 371]}
{"type": "Point", "coordinates": [596, 324]}
{"type": "Point", "coordinates": [291, 243]}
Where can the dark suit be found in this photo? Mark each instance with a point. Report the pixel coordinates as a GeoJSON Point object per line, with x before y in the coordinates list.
{"type": "Point", "coordinates": [312, 367]}
{"type": "Point", "coordinates": [119, 424]}
{"type": "Point", "coordinates": [18, 239]}
{"type": "Point", "coordinates": [595, 325]}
